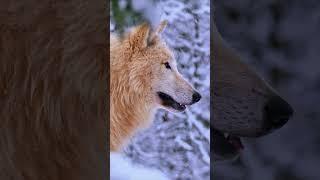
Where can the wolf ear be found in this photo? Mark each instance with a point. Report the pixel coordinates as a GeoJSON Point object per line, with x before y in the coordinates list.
{"type": "Point", "coordinates": [154, 38]}
{"type": "Point", "coordinates": [140, 35]}
{"type": "Point", "coordinates": [162, 25]}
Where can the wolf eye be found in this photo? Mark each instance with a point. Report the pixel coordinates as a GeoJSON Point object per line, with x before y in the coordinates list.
{"type": "Point", "coordinates": [167, 65]}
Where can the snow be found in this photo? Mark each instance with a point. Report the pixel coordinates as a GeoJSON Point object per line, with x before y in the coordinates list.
{"type": "Point", "coordinates": [149, 10]}
{"type": "Point", "coordinates": [122, 169]}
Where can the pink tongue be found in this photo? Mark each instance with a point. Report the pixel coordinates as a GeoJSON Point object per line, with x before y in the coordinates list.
{"type": "Point", "coordinates": [236, 142]}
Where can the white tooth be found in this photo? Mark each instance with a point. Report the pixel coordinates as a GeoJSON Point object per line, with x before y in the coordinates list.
{"type": "Point", "coordinates": [226, 135]}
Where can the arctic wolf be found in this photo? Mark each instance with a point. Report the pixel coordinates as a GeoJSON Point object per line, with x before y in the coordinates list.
{"type": "Point", "coordinates": [244, 105]}
{"type": "Point", "coordinates": [144, 77]}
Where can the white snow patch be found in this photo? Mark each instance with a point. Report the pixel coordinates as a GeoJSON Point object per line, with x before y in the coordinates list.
{"type": "Point", "coordinates": [122, 169]}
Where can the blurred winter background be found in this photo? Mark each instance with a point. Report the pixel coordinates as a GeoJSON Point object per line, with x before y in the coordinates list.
{"type": "Point", "coordinates": [281, 39]}
{"type": "Point", "coordinates": [177, 144]}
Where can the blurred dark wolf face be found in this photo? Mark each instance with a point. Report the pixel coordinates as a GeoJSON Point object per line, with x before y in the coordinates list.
{"type": "Point", "coordinates": [244, 105]}
{"type": "Point", "coordinates": [53, 84]}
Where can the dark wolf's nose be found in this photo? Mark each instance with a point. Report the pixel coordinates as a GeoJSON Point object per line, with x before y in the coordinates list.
{"type": "Point", "coordinates": [196, 97]}
{"type": "Point", "coordinates": [277, 112]}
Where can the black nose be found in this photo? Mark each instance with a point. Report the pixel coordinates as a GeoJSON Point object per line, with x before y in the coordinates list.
{"type": "Point", "coordinates": [277, 112]}
{"type": "Point", "coordinates": [196, 97]}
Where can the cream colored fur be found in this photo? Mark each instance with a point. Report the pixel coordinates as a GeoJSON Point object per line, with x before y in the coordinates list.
{"type": "Point", "coordinates": [137, 73]}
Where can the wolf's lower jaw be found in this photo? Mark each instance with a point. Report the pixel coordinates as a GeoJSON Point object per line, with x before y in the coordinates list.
{"type": "Point", "coordinates": [226, 146]}
{"type": "Point", "coordinates": [123, 169]}
{"type": "Point", "coordinates": [170, 104]}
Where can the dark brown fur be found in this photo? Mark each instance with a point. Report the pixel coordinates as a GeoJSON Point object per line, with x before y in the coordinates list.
{"type": "Point", "coordinates": [53, 85]}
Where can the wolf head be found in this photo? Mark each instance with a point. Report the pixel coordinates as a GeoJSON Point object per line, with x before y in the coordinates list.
{"type": "Point", "coordinates": [244, 105]}
{"type": "Point", "coordinates": [143, 77]}
{"type": "Point", "coordinates": [153, 70]}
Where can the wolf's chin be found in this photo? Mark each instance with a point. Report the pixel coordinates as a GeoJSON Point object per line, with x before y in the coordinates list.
{"type": "Point", "coordinates": [170, 109]}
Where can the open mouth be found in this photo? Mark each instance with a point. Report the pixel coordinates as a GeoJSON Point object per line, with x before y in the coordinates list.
{"type": "Point", "coordinates": [226, 146]}
{"type": "Point", "coordinates": [168, 101]}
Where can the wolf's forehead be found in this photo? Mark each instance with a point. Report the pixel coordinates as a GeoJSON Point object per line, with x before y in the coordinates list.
{"type": "Point", "coordinates": [163, 52]}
